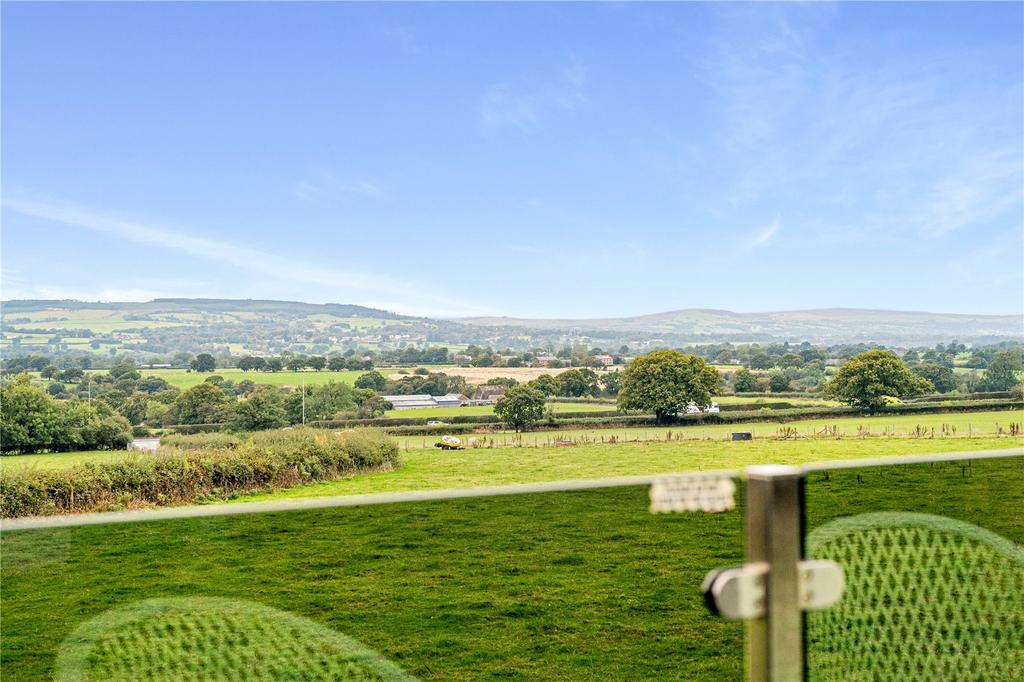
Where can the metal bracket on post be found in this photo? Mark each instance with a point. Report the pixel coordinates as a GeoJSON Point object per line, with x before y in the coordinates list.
{"type": "Point", "coordinates": [775, 587]}
{"type": "Point", "coordinates": [740, 593]}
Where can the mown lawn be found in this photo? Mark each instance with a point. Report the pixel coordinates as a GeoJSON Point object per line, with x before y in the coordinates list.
{"type": "Point", "coordinates": [558, 586]}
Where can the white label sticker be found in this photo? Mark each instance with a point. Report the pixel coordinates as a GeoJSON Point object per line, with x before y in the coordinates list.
{"type": "Point", "coordinates": [711, 493]}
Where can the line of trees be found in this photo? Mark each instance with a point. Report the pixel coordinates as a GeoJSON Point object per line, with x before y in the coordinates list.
{"type": "Point", "coordinates": [33, 421]}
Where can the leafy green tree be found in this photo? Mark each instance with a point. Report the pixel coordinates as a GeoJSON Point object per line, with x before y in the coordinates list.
{"type": "Point", "coordinates": [778, 382]}
{"type": "Point", "coordinates": [1001, 373]}
{"type": "Point", "coordinates": [665, 382]}
{"type": "Point", "coordinates": [134, 408]}
{"type": "Point", "coordinates": [30, 419]}
{"type": "Point", "coordinates": [942, 377]}
{"type": "Point", "coordinates": [71, 375]}
{"type": "Point", "coordinates": [504, 382]}
{"type": "Point", "coordinates": [125, 370]}
{"type": "Point", "coordinates": [372, 380]}
{"type": "Point", "coordinates": [263, 409]}
{"type": "Point", "coordinates": [156, 411]}
{"type": "Point", "coordinates": [250, 363]}
{"type": "Point", "coordinates": [371, 405]}
{"type": "Point", "coordinates": [318, 362]}
{"type": "Point", "coordinates": [90, 427]}
{"type": "Point", "coordinates": [546, 384]}
{"type": "Point", "coordinates": [520, 407]}
{"type": "Point", "coordinates": [791, 360]}
{"type": "Point", "coordinates": [322, 402]}
{"type": "Point", "coordinates": [297, 362]}
{"type": "Point", "coordinates": [575, 383]}
{"type": "Point", "coordinates": [152, 384]}
{"type": "Point", "coordinates": [612, 382]}
{"type": "Point", "coordinates": [204, 403]}
{"type": "Point", "coordinates": [867, 379]}
{"type": "Point", "coordinates": [204, 362]}
{"type": "Point", "coordinates": [274, 365]}
{"type": "Point", "coordinates": [745, 381]}
{"type": "Point", "coordinates": [336, 363]}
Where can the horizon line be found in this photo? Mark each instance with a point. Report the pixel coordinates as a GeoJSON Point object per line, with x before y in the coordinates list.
{"type": "Point", "coordinates": [511, 317]}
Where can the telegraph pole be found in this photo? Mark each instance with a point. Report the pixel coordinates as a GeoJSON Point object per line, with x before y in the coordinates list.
{"type": "Point", "coordinates": [303, 380]}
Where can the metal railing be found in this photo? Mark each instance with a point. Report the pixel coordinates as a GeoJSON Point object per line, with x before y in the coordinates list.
{"type": "Point", "coordinates": [778, 584]}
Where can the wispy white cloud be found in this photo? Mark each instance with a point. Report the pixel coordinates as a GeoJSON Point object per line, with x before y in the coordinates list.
{"type": "Point", "coordinates": [764, 235]}
{"type": "Point", "coordinates": [884, 145]}
{"type": "Point", "coordinates": [341, 285]}
{"type": "Point", "coordinates": [524, 104]}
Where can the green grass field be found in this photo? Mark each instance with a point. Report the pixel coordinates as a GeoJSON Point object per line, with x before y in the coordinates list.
{"type": "Point", "coordinates": [559, 586]}
{"type": "Point", "coordinates": [431, 468]}
{"type": "Point", "coordinates": [184, 379]}
{"type": "Point", "coordinates": [61, 460]}
{"type": "Point", "coordinates": [597, 455]}
{"type": "Point", "coordinates": [966, 423]}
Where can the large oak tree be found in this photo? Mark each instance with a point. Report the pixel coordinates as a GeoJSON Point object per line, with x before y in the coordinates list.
{"type": "Point", "coordinates": [665, 382]}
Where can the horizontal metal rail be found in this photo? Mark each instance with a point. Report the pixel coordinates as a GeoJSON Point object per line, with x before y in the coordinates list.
{"type": "Point", "coordinates": [299, 504]}
{"type": "Point", "coordinates": [226, 509]}
{"type": "Point", "coordinates": [912, 459]}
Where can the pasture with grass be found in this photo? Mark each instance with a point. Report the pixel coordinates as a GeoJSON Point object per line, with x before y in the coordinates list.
{"type": "Point", "coordinates": [580, 585]}
{"type": "Point", "coordinates": [612, 262]}
{"type": "Point", "coordinates": [184, 379]}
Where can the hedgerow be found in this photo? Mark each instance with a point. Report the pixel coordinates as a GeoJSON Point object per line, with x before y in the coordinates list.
{"type": "Point", "coordinates": [200, 441]}
{"type": "Point", "coordinates": [180, 474]}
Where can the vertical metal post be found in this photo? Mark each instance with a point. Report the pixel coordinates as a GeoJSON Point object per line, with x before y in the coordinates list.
{"type": "Point", "coordinates": [775, 642]}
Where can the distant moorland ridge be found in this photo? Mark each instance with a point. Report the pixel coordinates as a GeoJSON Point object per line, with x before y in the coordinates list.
{"type": "Point", "coordinates": [678, 327]}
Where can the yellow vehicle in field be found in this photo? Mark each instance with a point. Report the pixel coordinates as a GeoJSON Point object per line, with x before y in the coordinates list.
{"type": "Point", "coordinates": [450, 443]}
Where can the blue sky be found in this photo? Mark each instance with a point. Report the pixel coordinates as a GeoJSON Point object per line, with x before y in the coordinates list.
{"type": "Point", "coordinates": [556, 160]}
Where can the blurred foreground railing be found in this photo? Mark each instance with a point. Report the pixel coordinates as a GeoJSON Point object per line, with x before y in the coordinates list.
{"type": "Point", "coordinates": [560, 580]}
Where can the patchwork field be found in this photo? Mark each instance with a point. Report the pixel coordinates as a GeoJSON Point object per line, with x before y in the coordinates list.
{"type": "Point", "coordinates": [559, 586]}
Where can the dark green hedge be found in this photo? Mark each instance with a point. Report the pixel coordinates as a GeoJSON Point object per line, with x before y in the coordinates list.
{"type": "Point", "coordinates": [942, 397]}
{"type": "Point", "coordinates": [194, 428]}
{"type": "Point", "coordinates": [266, 460]}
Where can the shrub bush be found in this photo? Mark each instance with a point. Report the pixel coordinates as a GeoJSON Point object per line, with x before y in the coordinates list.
{"type": "Point", "coordinates": [194, 470]}
{"type": "Point", "coordinates": [200, 441]}
{"type": "Point", "coordinates": [194, 428]}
